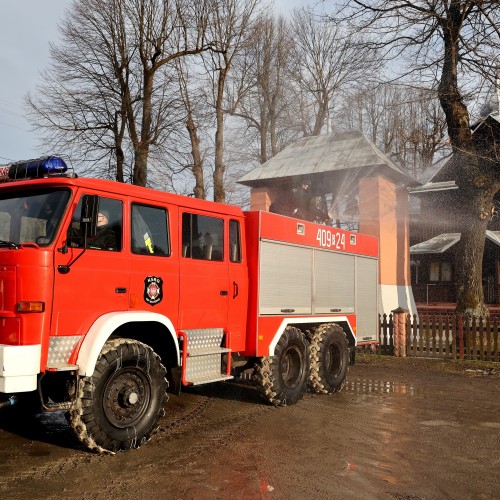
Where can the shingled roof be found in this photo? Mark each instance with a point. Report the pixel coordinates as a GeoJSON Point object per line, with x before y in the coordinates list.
{"type": "Point", "coordinates": [311, 156]}
{"type": "Point", "coordinates": [443, 173]}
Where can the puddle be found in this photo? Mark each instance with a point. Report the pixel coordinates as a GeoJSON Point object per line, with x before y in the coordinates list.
{"type": "Point", "coordinates": [53, 423]}
{"type": "Point", "coordinates": [379, 386]}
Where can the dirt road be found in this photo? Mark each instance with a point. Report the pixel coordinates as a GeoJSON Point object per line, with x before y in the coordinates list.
{"type": "Point", "coordinates": [407, 430]}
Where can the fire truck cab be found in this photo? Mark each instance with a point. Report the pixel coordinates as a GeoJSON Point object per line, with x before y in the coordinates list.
{"type": "Point", "coordinates": [111, 293]}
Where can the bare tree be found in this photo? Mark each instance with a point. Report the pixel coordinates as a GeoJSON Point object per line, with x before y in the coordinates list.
{"type": "Point", "coordinates": [81, 111]}
{"type": "Point", "coordinates": [261, 92]}
{"type": "Point", "coordinates": [405, 122]}
{"type": "Point", "coordinates": [229, 26]}
{"type": "Point", "coordinates": [451, 40]}
{"type": "Point", "coordinates": [115, 63]}
{"type": "Point", "coordinates": [194, 101]}
{"type": "Point", "coordinates": [326, 59]}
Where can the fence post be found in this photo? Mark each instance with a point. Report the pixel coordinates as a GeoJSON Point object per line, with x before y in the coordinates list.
{"type": "Point", "coordinates": [460, 324]}
{"type": "Point", "coordinates": [400, 332]}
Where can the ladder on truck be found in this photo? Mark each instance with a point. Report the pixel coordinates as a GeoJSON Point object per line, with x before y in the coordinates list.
{"type": "Point", "coordinates": [203, 351]}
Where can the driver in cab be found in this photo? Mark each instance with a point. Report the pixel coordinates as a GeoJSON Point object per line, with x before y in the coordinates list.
{"type": "Point", "coordinates": [105, 238]}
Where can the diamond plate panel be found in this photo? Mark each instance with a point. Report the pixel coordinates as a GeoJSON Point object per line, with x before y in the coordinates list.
{"type": "Point", "coordinates": [204, 338]}
{"type": "Point", "coordinates": [60, 349]}
{"type": "Point", "coordinates": [203, 366]}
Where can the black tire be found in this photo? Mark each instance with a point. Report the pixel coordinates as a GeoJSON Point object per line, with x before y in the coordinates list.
{"type": "Point", "coordinates": [282, 378]}
{"type": "Point", "coordinates": [329, 359]}
{"type": "Point", "coordinates": [118, 407]}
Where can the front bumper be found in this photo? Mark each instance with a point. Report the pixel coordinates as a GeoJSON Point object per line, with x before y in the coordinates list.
{"type": "Point", "coordinates": [19, 367]}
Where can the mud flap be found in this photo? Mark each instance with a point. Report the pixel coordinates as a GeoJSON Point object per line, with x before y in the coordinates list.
{"type": "Point", "coordinates": [352, 356]}
{"type": "Point", "coordinates": [174, 378]}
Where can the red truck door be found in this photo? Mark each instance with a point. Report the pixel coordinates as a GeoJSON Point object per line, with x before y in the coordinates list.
{"type": "Point", "coordinates": [238, 287]}
{"type": "Point", "coordinates": [204, 281]}
{"type": "Point", "coordinates": [96, 283]}
{"type": "Point", "coordinates": [154, 263]}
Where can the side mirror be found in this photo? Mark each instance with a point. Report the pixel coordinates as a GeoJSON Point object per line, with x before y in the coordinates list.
{"type": "Point", "coordinates": [88, 219]}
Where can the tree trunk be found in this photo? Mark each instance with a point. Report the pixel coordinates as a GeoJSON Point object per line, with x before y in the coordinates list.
{"type": "Point", "coordinates": [141, 153]}
{"type": "Point", "coordinates": [120, 159]}
{"type": "Point", "coordinates": [120, 117]}
{"type": "Point", "coordinates": [469, 256]}
{"type": "Point", "coordinates": [141, 150]}
{"type": "Point", "coordinates": [322, 113]}
{"type": "Point", "coordinates": [219, 191]}
{"type": "Point", "coordinates": [263, 136]}
{"type": "Point", "coordinates": [197, 167]}
{"type": "Point", "coordinates": [476, 199]}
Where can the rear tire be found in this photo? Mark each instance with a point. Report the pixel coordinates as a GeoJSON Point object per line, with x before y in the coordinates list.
{"type": "Point", "coordinates": [282, 378]}
{"type": "Point", "coordinates": [118, 407]}
{"type": "Point", "coordinates": [329, 359]}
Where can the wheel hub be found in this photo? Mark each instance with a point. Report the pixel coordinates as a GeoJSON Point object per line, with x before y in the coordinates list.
{"type": "Point", "coordinates": [127, 396]}
{"type": "Point", "coordinates": [291, 367]}
{"type": "Point", "coordinates": [333, 360]}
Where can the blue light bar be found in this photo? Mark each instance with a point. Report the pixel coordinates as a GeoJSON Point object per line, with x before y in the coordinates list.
{"type": "Point", "coordinates": [29, 169]}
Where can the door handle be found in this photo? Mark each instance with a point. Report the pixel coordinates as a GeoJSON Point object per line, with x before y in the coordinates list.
{"type": "Point", "coordinates": [224, 293]}
{"type": "Point", "coordinates": [120, 290]}
{"type": "Point", "coordinates": [236, 289]}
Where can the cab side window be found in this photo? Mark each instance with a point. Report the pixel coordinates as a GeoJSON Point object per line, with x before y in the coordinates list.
{"type": "Point", "coordinates": [234, 241]}
{"type": "Point", "coordinates": [109, 227]}
{"type": "Point", "coordinates": [150, 230]}
{"type": "Point", "coordinates": [202, 237]}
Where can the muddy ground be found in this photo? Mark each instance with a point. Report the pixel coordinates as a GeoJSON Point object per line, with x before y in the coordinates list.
{"type": "Point", "coordinates": [401, 429]}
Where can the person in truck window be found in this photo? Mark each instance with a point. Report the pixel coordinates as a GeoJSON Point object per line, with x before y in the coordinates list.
{"type": "Point", "coordinates": [47, 214]}
{"type": "Point", "coordinates": [105, 239]}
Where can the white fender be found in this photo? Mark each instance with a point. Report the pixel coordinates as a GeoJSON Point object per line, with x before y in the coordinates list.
{"type": "Point", "coordinates": [104, 326]}
{"type": "Point", "coordinates": [308, 320]}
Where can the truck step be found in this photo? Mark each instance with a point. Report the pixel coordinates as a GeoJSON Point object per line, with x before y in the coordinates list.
{"type": "Point", "coordinates": [207, 379]}
{"type": "Point", "coordinates": [207, 351]}
{"type": "Point", "coordinates": [209, 365]}
{"type": "Point", "coordinates": [61, 367]}
{"type": "Point", "coordinates": [203, 353]}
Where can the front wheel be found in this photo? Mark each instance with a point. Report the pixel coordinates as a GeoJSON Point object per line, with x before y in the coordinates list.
{"type": "Point", "coordinates": [282, 378]}
{"type": "Point", "coordinates": [118, 407]}
{"type": "Point", "coordinates": [329, 359]}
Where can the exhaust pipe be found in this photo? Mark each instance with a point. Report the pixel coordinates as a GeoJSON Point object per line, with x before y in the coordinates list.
{"type": "Point", "coordinates": [11, 401]}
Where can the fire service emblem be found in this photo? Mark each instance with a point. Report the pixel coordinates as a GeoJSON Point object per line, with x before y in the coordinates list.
{"type": "Point", "coordinates": [153, 290]}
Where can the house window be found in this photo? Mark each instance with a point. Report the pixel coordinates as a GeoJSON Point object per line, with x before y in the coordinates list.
{"type": "Point", "coordinates": [434, 271]}
{"type": "Point", "coordinates": [445, 271]}
{"type": "Point", "coordinates": [440, 271]}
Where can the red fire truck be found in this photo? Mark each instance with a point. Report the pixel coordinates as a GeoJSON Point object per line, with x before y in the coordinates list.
{"type": "Point", "coordinates": [110, 294]}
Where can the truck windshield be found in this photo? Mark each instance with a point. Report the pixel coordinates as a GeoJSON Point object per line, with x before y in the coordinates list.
{"type": "Point", "coordinates": [31, 216]}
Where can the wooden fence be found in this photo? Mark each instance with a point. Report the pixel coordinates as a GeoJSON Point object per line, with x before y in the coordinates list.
{"type": "Point", "coordinates": [444, 336]}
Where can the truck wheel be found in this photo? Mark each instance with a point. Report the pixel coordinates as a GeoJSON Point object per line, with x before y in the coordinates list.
{"type": "Point", "coordinates": [329, 359]}
{"type": "Point", "coordinates": [282, 378]}
{"type": "Point", "coordinates": [118, 407]}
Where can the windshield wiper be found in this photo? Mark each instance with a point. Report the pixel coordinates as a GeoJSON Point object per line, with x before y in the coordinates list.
{"type": "Point", "coordinates": [9, 244]}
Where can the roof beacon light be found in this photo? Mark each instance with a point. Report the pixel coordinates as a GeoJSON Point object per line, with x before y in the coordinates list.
{"type": "Point", "coordinates": [30, 169]}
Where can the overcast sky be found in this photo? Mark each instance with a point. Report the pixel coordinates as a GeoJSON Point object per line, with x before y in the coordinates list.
{"type": "Point", "coordinates": [26, 29]}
